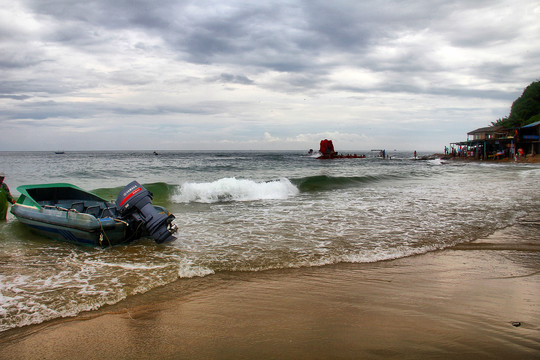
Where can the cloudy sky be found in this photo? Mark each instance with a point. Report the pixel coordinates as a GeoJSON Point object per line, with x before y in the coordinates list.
{"type": "Point", "coordinates": [194, 75]}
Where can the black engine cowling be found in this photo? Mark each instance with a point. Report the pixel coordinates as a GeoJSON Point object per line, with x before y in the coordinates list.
{"type": "Point", "coordinates": [135, 203]}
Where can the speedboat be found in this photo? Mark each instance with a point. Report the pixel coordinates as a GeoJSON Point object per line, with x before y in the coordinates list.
{"type": "Point", "coordinates": [66, 212]}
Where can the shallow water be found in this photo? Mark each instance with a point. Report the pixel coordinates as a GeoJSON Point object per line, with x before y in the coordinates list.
{"type": "Point", "coordinates": [249, 211]}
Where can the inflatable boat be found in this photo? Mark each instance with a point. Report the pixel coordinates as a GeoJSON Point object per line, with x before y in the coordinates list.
{"type": "Point", "coordinates": [66, 212]}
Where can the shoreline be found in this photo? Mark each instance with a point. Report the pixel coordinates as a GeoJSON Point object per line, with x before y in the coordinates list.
{"type": "Point", "coordinates": [528, 159]}
{"type": "Point", "coordinates": [475, 300]}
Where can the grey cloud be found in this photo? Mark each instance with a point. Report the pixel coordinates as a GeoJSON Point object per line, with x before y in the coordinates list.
{"type": "Point", "coordinates": [112, 14]}
{"type": "Point", "coordinates": [235, 79]}
{"type": "Point", "coordinates": [402, 86]}
{"type": "Point", "coordinates": [14, 97]}
{"type": "Point", "coordinates": [18, 57]}
{"type": "Point", "coordinates": [238, 34]}
{"type": "Point", "coordinates": [42, 110]}
{"type": "Point", "coordinates": [193, 109]}
{"type": "Point", "coordinates": [49, 83]}
{"type": "Point", "coordinates": [213, 32]}
{"type": "Point", "coordinates": [170, 52]}
{"type": "Point", "coordinates": [37, 86]}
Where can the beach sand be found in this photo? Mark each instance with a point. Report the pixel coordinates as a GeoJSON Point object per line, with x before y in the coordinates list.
{"type": "Point", "coordinates": [474, 301]}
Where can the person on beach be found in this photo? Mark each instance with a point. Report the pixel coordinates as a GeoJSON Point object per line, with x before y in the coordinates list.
{"type": "Point", "coordinates": [5, 197]}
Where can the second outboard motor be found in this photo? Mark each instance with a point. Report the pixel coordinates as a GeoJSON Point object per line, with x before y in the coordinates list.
{"type": "Point", "coordinates": [136, 202]}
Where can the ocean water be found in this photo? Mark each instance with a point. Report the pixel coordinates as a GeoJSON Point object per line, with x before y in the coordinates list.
{"type": "Point", "coordinates": [250, 212]}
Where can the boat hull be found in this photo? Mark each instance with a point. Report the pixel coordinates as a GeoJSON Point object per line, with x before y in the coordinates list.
{"type": "Point", "coordinates": [73, 227]}
{"type": "Point", "coordinates": [68, 213]}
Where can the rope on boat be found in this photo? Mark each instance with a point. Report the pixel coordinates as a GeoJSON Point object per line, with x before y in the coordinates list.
{"type": "Point", "coordinates": [102, 233]}
{"type": "Point", "coordinates": [122, 221]}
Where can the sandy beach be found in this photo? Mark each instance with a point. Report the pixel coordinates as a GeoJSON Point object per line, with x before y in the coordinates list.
{"type": "Point", "coordinates": [477, 300]}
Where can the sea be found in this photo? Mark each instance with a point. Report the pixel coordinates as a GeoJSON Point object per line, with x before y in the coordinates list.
{"type": "Point", "coordinates": [249, 211]}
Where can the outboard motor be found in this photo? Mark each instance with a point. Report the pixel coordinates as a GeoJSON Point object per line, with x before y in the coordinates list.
{"type": "Point", "coordinates": [135, 202]}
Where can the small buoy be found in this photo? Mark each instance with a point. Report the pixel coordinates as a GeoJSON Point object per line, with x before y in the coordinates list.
{"type": "Point", "coordinates": [516, 323]}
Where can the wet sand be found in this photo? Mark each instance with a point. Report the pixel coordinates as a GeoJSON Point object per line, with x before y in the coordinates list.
{"type": "Point", "coordinates": [474, 301]}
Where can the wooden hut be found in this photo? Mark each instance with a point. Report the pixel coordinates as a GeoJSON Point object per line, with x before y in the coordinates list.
{"type": "Point", "coordinates": [498, 142]}
{"type": "Point", "coordinates": [488, 142]}
{"type": "Point", "coordinates": [529, 138]}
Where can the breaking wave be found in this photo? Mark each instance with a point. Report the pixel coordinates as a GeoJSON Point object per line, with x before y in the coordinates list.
{"type": "Point", "coordinates": [232, 189]}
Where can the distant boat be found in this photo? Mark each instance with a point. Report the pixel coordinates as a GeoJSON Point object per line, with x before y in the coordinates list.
{"type": "Point", "coordinates": [327, 152]}
{"type": "Point", "coordinates": [59, 152]}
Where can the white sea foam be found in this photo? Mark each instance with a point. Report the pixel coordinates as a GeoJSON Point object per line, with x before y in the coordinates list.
{"type": "Point", "coordinates": [435, 162]}
{"type": "Point", "coordinates": [191, 271]}
{"type": "Point", "coordinates": [127, 266]}
{"type": "Point", "coordinates": [410, 209]}
{"type": "Point", "coordinates": [232, 189]}
{"type": "Point", "coordinates": [533, 173]}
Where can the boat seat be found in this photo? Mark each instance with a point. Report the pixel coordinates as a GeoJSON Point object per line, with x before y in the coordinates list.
{"type": "Point", "coordinates": [109, 212]}
{"type": "Point", "coordinates": [94, 210]}
{"type": "Point", "coordinates": [78, 206]}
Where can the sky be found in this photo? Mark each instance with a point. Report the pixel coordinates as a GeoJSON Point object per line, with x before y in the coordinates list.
{"type": "Point", "coordinates": [260, 75]}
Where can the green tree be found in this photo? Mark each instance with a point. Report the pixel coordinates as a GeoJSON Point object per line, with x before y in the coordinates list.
{"type": "Point", "coordinates": [524, 109]}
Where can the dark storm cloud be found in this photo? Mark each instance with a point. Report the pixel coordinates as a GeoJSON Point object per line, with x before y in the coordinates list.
{"type": "Point", "coordinates": [180, 59]}
{"type": "Point", "coordinates": [269, 36]}
{"type": "Point", "coordinates": [282, 36]}
{"type": "Point", "coordinates": [111, 14]}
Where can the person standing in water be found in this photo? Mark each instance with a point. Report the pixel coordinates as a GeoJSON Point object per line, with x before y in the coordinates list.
{"type": "Point", "coordinates": [5, 197]}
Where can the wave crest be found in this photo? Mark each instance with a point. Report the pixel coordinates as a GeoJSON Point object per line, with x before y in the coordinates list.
{"type": "Point", "coordinates": [232, 189]}
{"type": "Point", "coordinates": [325, 182]}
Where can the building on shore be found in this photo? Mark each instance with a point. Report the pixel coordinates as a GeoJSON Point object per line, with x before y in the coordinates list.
{"type": "Point", "coordinates": [496, 142]}
{"type": "Point", "coordinates": [530, 135]}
